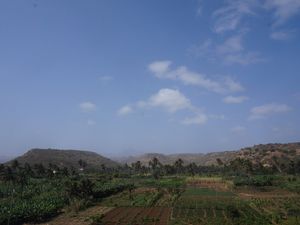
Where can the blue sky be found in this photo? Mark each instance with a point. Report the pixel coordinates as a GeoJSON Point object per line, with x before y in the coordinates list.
{"type": "Point", "coordinates": [127, 77]}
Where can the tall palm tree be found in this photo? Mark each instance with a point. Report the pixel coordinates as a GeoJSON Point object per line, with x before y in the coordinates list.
{"type": "Point", "coordinates": [154, 163]}
{"type": "Point", "coordinates": [179, 165]}
{"type": "Point", "coordinates": [137, 166]}
{"type": "Point", "coordinates": [155, 166]}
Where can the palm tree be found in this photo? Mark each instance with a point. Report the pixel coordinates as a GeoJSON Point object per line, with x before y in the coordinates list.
{"type": "Point", "coordinates": [155, 166]}
{"type": "Point", "coordinates": [179, 165]}
{"type": "Point", "coordinates": [154, 163]}
{"type": "Point", "coordinates": [137, 166]}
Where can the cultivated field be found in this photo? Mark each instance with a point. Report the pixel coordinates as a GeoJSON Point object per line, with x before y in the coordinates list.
{"type": "Point", "coordinates": [197, 201]}
{"type": "Point", "coordinates": [127, 197]}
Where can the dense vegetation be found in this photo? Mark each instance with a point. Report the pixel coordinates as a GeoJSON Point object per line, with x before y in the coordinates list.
{"type": "Point", "coordinates": [36, 194]}
{"type": "Point", "coordinates": [237, 192]}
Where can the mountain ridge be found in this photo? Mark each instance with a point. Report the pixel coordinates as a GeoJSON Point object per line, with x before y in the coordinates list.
{"type": "Point", "coordinates": [64, 158]}
{"type": "Point", "coordinates": [265, 154]}
{"type": "Point", "coordinates": [261, 153]}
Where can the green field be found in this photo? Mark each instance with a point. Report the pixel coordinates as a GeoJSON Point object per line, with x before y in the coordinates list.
{"type": "Point", "coordinates": [127, 197]}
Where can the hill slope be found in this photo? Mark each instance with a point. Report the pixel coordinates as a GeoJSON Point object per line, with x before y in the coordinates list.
{"type": "Point", "coordinates": [65, 158]}
{"type": "Point", "coordinates": [268, 154]}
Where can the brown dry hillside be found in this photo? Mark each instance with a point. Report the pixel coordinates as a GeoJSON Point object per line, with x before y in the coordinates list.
{"type": "Point", "coordinates": [65, 158]}
{"type": "Point", "coordinates": [267, 154]}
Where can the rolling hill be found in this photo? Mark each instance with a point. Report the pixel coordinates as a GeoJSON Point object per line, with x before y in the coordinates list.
{"type": "Point", "coordinates": [64, 158]}
{"type": "Point", "coordinates": [266, 154]}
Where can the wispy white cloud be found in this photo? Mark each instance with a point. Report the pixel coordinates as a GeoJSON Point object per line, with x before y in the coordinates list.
{"type": "Point", "coordinates": [230, 16]}
{"type": "Point", "coordinates": [264, 111]}
{"type": "Point", "coordinates": [244, 58]}
{"type": "Point", "coordinates": [231, 45]}
{"type": "Point", "coordinates": [205, 50]}
{"type": "Point", "coordinates": [125, 110]}
{"type": "Point", "coordinates": [230, 51]}
{"type": "Point", "coordinates": [282, 35]}
{"type": "Point", "coordinates": [283, 10]}
{"type": "Point", "coordinates": [235, 99]}
{"type": "Point", "coordinates": [171, 101]}
{"type": "Point", "coordinates": [168, 99]}
{"type": "Point", "coordinates": [87, 106]}
{"type": "Point", "coordinates": [162, 70]}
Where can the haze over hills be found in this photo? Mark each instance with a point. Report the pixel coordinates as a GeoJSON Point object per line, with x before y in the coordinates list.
{"type": "Point", "coordinates": [65, 158]}
{"type": "Point", "coordinates": [4, 158]}
{"type": "Point", "coordinates": [264, 154]}
{"type": "Point", "coordinates": [267, 154]}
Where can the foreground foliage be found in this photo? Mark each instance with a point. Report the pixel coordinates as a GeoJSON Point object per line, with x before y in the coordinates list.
{"type": "Point", "coordinates": [236, 193]}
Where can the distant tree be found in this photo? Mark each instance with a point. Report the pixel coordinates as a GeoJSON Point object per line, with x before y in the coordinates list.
{"type": "Point", "coordinates": [192, 169]}
{"type": "Point", "coordinates": [298, 167]}
{"type": "Point", "coordinates": [154, 163]}
{"type": "Point", "coordinates": [103, 167]}
{"type": "Point", "coordinates": [15, 164]}
{"type": "Point", "coordinates": [179, 165]}
{"type": "Point", "coordinates": [21, 178]}
{"type": "Point", "coordinates": [220, 162]}
{"type": "Point", "coordinates": [28, 170]}
{"type": "Point", "coordinates": [82, 164]}
{"type": "Point", "coordinates": [2, 168]}
{"type": "Point", "coordinates": [156, 173]}
{"type": "Point", "coordinates": [52, 170]}
{"type": "Point", "coordinates": [2, 172]}
{"type": "Point", "coordinates": [137, 166]}
{"type": "Point", "coordinates": [241, 166]}
{"type": "Point", "coordinates": [40, 169]}
{"type": "Point", "coordinates": [169, 169]}
{"type": "Point", "coordinates": [8, 175]}
{"type": "Point", "coordinates": [73, 172]}
{"type": "Point", "coordinates": [292, 167]}
{"type": "Point", "coordinates": [65, 171]}
{"type": "Point", "coordinates": [155, 166]}
{"type": "Point", "coordinates": [82, 189]}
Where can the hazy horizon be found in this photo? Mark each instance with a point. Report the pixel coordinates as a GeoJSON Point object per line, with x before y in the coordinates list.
{"type": "Point", "coordinates": [170, 76]}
